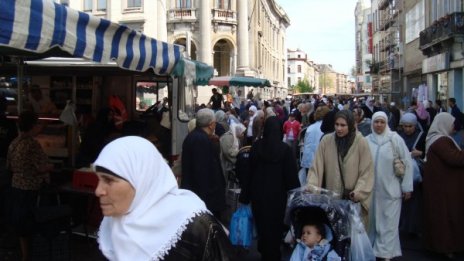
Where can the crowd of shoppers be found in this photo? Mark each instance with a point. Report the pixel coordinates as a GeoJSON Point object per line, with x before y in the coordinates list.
{"type": "Point", "coordinates": [347, 147]}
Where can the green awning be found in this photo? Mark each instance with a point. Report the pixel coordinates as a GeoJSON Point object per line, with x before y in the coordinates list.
{"type": "Point", "coordinates": [239, 81]}
{"type": "Point", "coordinates": [198, 72]}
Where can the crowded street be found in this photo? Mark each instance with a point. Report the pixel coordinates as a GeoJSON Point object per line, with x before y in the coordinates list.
{"type": "Point", "coordinates": [231, 130]}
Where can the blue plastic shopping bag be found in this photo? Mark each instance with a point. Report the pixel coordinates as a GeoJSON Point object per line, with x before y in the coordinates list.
{"type": "Point", "coordinates": [241, 227]}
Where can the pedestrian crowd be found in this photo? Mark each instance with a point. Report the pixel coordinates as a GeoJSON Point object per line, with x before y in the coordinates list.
{"type": "Point", "coordinates": [404, 168]}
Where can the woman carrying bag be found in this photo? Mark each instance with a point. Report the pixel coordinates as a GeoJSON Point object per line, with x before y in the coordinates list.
{"type": "Point", "coordinates": [391, 186]}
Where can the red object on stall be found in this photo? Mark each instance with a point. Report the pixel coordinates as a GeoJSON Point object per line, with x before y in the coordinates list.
{"type": "Point", "coordinates": [84, 179]}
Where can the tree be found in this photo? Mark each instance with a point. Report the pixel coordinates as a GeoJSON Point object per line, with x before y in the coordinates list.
{"type": "Point", "coordinates": [353, 71]}
{"type": "Point", "coordinates": [304, 86]}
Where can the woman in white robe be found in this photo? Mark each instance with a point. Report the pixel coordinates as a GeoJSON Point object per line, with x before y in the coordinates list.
{"type": "Point", "coordinates": [389, 190]}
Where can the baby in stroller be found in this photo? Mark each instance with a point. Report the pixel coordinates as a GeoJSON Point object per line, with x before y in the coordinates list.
{"type": "Point", "coordinates": [314, 244]}
{"type": "Point", "coordinates": [326, 228]}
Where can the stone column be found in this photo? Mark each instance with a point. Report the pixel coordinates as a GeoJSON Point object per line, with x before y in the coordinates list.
{"type": "Point", "coordinates": [242, 37]}
{"type": "Point", "coordinates": [205, 33]}
{"type": "Point", "coordinates": [432, 85]}
{"type": "Point", "coordinates": [162, 31]}
{"type": "Point", "coordinates": [455, 85]}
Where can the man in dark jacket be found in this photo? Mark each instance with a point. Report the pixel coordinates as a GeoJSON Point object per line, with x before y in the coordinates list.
{"type": "Point", "coordinates": [456, 112]}
{"type": "Point", "coordinates": [394, 116]}
{"type": "Point", "coordinates": [201, 167]}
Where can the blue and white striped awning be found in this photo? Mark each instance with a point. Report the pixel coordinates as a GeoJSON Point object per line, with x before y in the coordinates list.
{"type": "Point", "coordinates": [41, 25]}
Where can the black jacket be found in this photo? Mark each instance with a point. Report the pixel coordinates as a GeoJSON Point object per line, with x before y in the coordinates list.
{"type": "Point", "coordinates": [203, 240]}
{"type": "Point", "coordinates": [202, 171]}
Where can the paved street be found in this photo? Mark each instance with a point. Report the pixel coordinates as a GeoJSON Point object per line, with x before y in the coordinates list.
{"type": "Point", "coordinates": [87, 249]}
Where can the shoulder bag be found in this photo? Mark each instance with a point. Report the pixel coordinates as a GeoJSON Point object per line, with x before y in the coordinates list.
{"type": "Point", "coordinates": [398, 164]}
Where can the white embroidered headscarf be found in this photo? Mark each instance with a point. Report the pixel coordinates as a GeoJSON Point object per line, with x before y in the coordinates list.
{"type": "Point", "coordinates": [386, 135]}
{"type": "Point", "coordinates": [442, 126]}
{"type": "Point", "coordinates": [159, 212]}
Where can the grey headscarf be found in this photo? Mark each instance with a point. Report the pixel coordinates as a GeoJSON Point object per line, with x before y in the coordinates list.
{"type": "Point", "coordinates": [221, 118]}
{"type": "Point", "coordinates": [408, 118]}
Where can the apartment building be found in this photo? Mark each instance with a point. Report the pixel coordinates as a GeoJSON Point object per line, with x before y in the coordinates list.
{"type": "Point", "coordinates": [441, 43]}
{"type": "Point", "coordinates": [363, 29]}
{"type": "Point", "coordinates": [299, 68]}
{"type": "Point", "coordinates": [387, 51]}
{"type": "Point", "coordinates": [418, 44]}
{"type": "Point", "coordinates": [328, 79]}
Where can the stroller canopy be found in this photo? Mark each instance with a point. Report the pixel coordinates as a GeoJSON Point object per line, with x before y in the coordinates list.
{"type": "Point", "coordinates": [303, 205]}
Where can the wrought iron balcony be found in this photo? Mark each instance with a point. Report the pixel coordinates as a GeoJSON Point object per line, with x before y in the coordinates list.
{"type": "Point", "coordinates": [444, 29]}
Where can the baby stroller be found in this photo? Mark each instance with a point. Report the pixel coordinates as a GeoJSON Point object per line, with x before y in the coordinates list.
{"type": "Point", "coordinates": [340, 216]}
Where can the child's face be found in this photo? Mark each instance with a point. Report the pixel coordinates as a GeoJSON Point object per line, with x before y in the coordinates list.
{"type": "Point", "coordinates": [310, 236]}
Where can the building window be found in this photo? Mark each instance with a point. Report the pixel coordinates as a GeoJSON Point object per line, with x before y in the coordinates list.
{"type": "Point", "coordinates": [136, 26]}
{"type": "Point", "coordinates": [88, 5]}
{"type": "Point", "coordinates": [289, 82]}
{"type": "Point", "coordinates": [441, 8]}
{"type": "Point", "coordinates": [299, 79]}
{"type": "Point", "coordinates": [94, 5]}
{"type": "Point", "coordinates": [64, 2]}
{"type": "Point", "coordinates": [101, 5]}
{"type": "Point", "coordinates": [223, 4]}
{"type": "Point", "coordinates": [134, 3]}
{"type": "Point", "coordinates": [184, 3]}
{"type": "Point", "coordinates": [299, 56]}
{"type": "Point", "coordinates": [299, 68]}
{"type": "Point", "coordinates": [288, 69]}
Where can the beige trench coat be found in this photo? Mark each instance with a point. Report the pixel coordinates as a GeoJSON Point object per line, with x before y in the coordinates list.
{"type": "Point", "coordinates": [357, 168]}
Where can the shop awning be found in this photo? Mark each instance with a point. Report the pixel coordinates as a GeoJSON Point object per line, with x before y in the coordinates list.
{"type": "Point", "coordinates": [239, 81]}
{"type": "Point", "coordinates": [41, 28]}
{"type": "Point", "coordinates": [197, 72]}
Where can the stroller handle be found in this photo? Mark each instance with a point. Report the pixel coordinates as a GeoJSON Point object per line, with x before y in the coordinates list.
{"type": "Point", "coordinates": [312, 189]}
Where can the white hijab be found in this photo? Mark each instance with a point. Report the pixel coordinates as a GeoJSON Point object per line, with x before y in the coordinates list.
{"type": "Point", "coordinates": [250, 121]}
{"type": "Point", "coordinates": [386, 134]}
{"type": "Point", "coordinates": [442, 126]}
{"type": "Point", "coordinates": [159, 212]}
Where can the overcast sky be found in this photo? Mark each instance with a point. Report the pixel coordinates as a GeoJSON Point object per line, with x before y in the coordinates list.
{"type": "Point", "coordinates": [324, 29]}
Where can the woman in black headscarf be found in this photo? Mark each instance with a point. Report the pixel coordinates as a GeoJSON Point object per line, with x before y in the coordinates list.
{"type": "Point", "coordinates": [273, 173]}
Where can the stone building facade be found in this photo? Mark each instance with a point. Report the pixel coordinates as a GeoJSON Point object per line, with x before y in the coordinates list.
{"type": "Point", "coordinates": [236, 37]}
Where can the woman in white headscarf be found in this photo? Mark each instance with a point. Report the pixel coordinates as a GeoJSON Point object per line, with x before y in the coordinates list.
{"type": "Point", "coordinates": [443, 182]}
{"type": "Point", "coordinates": [146, 216]}
{"type": "Point", "coordinates": [249, 124]}
{"type": "Point", "coordinates": [389, 189]}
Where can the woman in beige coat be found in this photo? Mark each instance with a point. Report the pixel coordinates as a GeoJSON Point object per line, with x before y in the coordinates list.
{"type": "Point", "coordinates": [343, 163]}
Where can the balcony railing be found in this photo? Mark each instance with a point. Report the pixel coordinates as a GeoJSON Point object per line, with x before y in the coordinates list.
{"type": "Point", "coordinates": [443, 29]}
{"type": "Point", "coordinates": [182, 14]}
{"type": "Point", "coordinates": [222, 15]}
{"type": "Point", "coordinates": [388, 18]}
